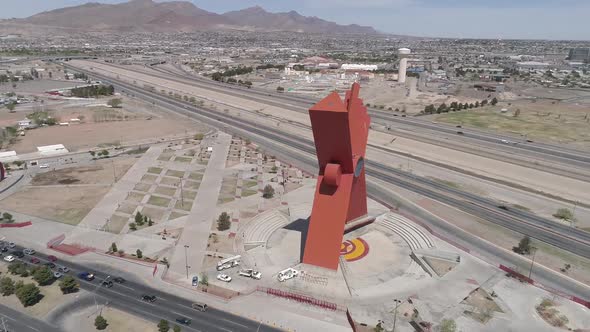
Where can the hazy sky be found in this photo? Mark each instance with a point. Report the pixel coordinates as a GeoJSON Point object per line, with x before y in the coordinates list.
{"type": "Point", "coordinates": [541, 19]}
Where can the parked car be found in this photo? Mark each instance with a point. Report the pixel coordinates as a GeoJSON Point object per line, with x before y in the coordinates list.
{"type": "Point", "coordinates": [11, 245]}
{"type": "Point", "coordinates": [49, 265]}
{"type": "Point", "coordinates": [250, 273]}
{"type": "Point", "coordinates": [86, 276]}
{"type": "Point", "coordinates": [195, 281]}
{"type": "Point", "coordinates": [35, 260]}
{"type": "Point", "coordinates": [148, 298]}
{"type": "Point", "coordinates": [119, 280]}
{"type": "Point", "coordinates": [199, 306]}
{"type": "Point", "coordinates": [9, 258]}
{"type": "Point", "coordinates": [183, 321]}
{"type": "Point", "coordinates": [223, 277]}
{"type": "Point", "coordinates": [52, 258]}
{"type": "Point", "coordinates": [4, 249]}
{"type": "Point", "coordinates": [287, 274]}
{"type": "Point", "coordinates": [57, 275]}
{"type": "Point", "coordinates": [29, 251]}
{"type": "Point", "coordinates": [18, 254]}
{"type": "Point", "coordinates": [63, 269]}
{"type": "Point", "coordinates": [43, 166]}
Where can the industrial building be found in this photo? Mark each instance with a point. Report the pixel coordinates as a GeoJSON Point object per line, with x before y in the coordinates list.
{"type": "Point", "coordinates": [581, 54]}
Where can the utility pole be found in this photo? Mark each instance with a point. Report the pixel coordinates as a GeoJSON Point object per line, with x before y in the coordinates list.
{"type": "Point", "coordinates": [186, 259]}
{"type": "Point", "coordinates": [181, 193]}
{"type": "Point", "coordinates": [397, 303]}
{"type": "Point", "coordinates": [532, 261]}
{"type": "Point", "coordinates": [114, 172]}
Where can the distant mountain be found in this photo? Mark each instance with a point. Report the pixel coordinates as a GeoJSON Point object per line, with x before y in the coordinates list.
{"type": "Point", "coordinates": [181, 16]}
{"type": "Point", "coordinates": [258, 18]}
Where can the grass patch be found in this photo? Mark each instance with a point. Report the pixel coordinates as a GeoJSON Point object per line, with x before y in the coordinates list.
{"type": "Point", "coordinates": [155, 170]}
{"type": "Point", "coordinates": [135, 197]}
{"type": "Point", "coordinates": [71, 216]}
{"type": "Point", "coordinates": [137, 151]}
{"type": "Point", "coordinates": [142, 187]}
{"type": "Point", "coordinates": [166, 191]}
{"type": "Point", "coordinates": [116, 224]}
{"type": "Point", "coordinates": [248, 192]}
{"type": "Point", "coordinates": [176, 215]}
{"type": "Point", "coordinates": [189, 194]}
{"type": "Point", "coordinates": [186, 206]}
{"type": "Point", "coordinates": [191, 185]}
{"type": "Point", "coordinates": [446, 182]}
{"type": "Point", "coordinates": [249, 183]}
{"type": "Point", "coordinates": [183, 159]}
{"type": "Point", "coordinates": [196, 176]}
{"type": "Point", "coordinates": [149, 178]}
{"type": "Point", "coordinates": [159, 201]}
{"type": "Point", "coordinates": [127, 208]}
{"type": "Point", "coordinates": [176, 174]}
{"type": "Point", "coordinates": [520, 207]}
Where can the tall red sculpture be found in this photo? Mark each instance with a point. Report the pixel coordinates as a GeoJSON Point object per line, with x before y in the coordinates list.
{"type": "Point", "coordinates": [340, 131]}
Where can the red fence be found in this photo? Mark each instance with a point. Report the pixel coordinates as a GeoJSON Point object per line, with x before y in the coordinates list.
{"type": "Point", "coordinates": [580, 301]}
{"type": "Point", "coordinates": [16, 225]}
{"type": "Point", "coordinates": [515, 274]}
{"type": "Point", "coordinates": [300, 298]}
{"type": "Point", "coordinates": [56, 240]}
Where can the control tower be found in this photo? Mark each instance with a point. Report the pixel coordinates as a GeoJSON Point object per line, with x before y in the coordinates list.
{"type": "Point", "coordinates": [403, 64]}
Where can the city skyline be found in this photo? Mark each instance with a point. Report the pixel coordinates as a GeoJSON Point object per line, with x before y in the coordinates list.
{"type": "Point", "coordinates": [524, 19]}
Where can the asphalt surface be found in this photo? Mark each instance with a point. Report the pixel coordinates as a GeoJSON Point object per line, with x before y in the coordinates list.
{"type": "Point", "coordinates": [127, 297]}
{"type": "Point", "coordinates": [573, 240]}
{"type": "Point", "coordinates": [562, 236]}
{"type": "Point", "coordinates": [16, 321]}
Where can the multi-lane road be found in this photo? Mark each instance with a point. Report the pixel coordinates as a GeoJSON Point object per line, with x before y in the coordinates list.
{"type": "Point", "coordinates": [127, 297]}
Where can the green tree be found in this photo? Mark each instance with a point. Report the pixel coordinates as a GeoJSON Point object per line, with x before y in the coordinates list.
{"type": "Point", "coordinates": [163, 326]}
{"type": "Point", "coordinates": [115, 102]}
{"type": "Point", "coordinates": [114, 247]}
{"type": "Point", "coordinates": [223, 222]}
{"type": "Point", "coordinates": [43, 276]}
{"type": "Point", "coordinates": [204, 279]}
{"type": "Point", "coordinates": [6, 286]}
{"type": "Point", "coordinates": [448, 325]}
{"type": "Point", "coordinates": [11, 106]}
{"type": "Point", "coordinates": [280, 89]}
{"type": "Point", "coordinates": [494, 101]}
{"type": "Point", "coordinates": [139, 253]}
{"type": "Point", "coordinates": [564, 214]}
{"type": "Point", "coordinates": [150, 222]}
{"type": "Point", "coordinates": [133, 226]}
{"type": "Point", "coordinates": [199, 136]}
{"type": "Point", "coordinates": [176, 328]}
{"type": "Point", "coordinates": [268, 191]}
{"type": "Point", "coordinates": [28, 294]}
{"type": "Point", "coordinates": [138, 218]}
{"type": "Point", "coordinates": [7, 217]}
{"type": "Point", "coordinates": [524, 246]}
{"type": "Point", "coordinates": [100, 323]}
{"type": "Point", "coordinates": [69, 285]}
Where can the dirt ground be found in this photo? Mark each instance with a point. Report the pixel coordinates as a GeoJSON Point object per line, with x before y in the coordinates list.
{"type": "Point", "coordinates": [101, 172]}
{"type": "Point", "coordinates": [117, 320]}
{"type": "Point", "coordinates": [544, 120]}
{"type": "Point", "coordinates": [440, 266]}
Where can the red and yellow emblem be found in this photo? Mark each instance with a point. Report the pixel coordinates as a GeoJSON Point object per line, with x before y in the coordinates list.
{"type": "Point", "coordinates": [354, 249]}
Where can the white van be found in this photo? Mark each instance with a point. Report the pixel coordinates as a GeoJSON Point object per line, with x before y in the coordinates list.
{"type": "Point", "coordinates": [228, 263]}
{"type": "Point", "coordinates": [199, 306]}
{"type": "Point", "coordinates": [287, 274]}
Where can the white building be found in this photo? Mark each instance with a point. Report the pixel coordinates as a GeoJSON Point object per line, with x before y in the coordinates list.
{"type": "Point", "coordinates": [49, 150]}
{"type": "Point", "coordinates": [355, 66]}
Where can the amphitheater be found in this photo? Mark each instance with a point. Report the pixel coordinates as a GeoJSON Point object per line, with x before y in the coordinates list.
{"type": "Point", "coordinates": [390, 250]}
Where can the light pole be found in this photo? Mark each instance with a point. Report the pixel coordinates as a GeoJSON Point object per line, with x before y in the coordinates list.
{"type": "Point", "coordinates": [186, 246]}
{"type": "Point", "coordinates": [397, 303]}
{"type": "Point", "coordinates": [532, 261]}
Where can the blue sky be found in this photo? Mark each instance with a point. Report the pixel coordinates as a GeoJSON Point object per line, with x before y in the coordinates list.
{"type": "Point", "coordinates": [538, 19]}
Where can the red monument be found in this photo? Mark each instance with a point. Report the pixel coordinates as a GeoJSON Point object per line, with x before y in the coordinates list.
{"type": "Point", "coordinates": [340, 131]}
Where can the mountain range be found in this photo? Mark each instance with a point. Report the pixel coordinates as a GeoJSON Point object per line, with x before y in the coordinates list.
{"type": "Point", "coordinates": [180, 16]}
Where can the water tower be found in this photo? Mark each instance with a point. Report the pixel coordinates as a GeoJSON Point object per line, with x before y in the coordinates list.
{"type": "Point", "coordinates": [403, 64]}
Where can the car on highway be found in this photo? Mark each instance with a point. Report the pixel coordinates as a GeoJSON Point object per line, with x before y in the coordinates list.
{"type": "Point", "coordinates": [35, 260]}
{"type": "Point", "coordinates": [119, 280]}
{"type": "Point", "coordinates": [11, 245]}
{"type": "Point", "coordinates": [57, 275]}
{"type": "Point", "coordinates": [63, 269]}
{"type": "Point", "coordinates": [107, 283]}
{"type": "Point", "coordinates": [4, 249]}
{"type": "Point", "coordinates": [148, 298]}
{"type": "Point", "coordinates": [9, 258]}
{"type": "Point", "coordinates": [183, 321]}
{"type": "Point", "coordinates": [459, 133]}
{"type": "Point", "coordinates": [52, 258]}
{"type": "Point", "coordinates": [223, 277]}
{"type": "Point", "coordinates": [86, 276]}
{"type": "Point", "coordinates": [199, 306]}
{"type": "Point", "coordinates": [195, 281]}
{"type": "Point", "coordinates": [49, 265]}
{"type": "Point", "coordinates": [250, 273]}
{"type": "Point", "coordinates": [29, 251]}
{"type": "Point", "coordinates": [18, 254]}
{"type": "Point", "coordinates": [287, 274]}
{"type": "Point", "coordinates": [43, 166]}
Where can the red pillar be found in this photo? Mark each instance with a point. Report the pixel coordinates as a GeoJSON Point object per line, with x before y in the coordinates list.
{"type": "Point", "coordinates": [340, 132]}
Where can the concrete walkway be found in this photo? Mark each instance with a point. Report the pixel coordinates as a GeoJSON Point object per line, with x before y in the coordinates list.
{"type": "Point", "coordinates": [198, 226]}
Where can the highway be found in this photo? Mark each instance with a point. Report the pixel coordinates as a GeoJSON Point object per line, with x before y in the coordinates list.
{"type": "Point", "coordinates": [127, 297]}
{"type": "Point", "coordinates": [562, 236]}
{"type": "Point", "coordinates": [543, 157]}
{"type": "Point", "coordinates": [279, 143]}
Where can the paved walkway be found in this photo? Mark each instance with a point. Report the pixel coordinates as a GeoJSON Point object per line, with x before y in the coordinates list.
{"type": "Point", "coordinates": [198, 227]}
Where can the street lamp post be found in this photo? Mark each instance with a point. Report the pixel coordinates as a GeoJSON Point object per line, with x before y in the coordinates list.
{"type": "Point", "coordinates": [397, 303]}
{"type": "Point", "coordinates": [532, 261]}
{"type": "Point", "coordinates": [186, 258]}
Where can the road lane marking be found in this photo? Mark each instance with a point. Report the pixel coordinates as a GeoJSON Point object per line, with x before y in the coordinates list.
{"type": "Point", "coordinates": [119, 285]}
{"type": "Point", "coordinates": [231, 321]}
